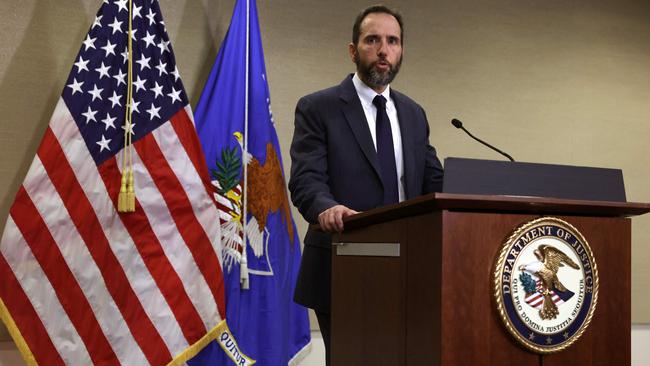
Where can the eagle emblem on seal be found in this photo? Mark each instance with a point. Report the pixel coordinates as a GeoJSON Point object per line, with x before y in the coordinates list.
{"type": "Point", "coordinates": [549, 261]}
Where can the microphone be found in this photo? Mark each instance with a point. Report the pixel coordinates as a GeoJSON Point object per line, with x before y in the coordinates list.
{"type": "Point", "coordinates": [459, 124]}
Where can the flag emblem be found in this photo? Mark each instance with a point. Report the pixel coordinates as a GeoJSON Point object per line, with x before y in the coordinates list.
{"type": "Point", "coordinates": [546, 284]}
{"type": "Point", "coordinates": [266, 195]}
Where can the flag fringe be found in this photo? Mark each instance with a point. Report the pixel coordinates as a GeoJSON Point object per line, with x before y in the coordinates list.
{"type": "Point", "coordinates": [301, 355]}
{"type": "Point", "coordinates": [20, 342]}
{"type": "Point", "coordinates": [199, 345]}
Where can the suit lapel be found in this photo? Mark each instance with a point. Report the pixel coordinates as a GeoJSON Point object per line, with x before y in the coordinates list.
{"type": "Point", "coordinates": [356, 119]}
{"type": "Point", "coordinates": [405, 117]}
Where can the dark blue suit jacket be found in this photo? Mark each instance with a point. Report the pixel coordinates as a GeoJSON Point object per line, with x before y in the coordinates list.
{"type": "Point", "coordinates": [333, 161]}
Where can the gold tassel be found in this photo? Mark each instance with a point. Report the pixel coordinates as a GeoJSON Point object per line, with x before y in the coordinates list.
{"type": "Point", "coordinates": [130, 193]}
{"type": "Point", "coordinates": [121, 198]}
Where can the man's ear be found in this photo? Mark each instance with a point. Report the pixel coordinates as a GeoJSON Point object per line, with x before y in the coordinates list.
{"type": "Point", "coordinates": [352, 50]}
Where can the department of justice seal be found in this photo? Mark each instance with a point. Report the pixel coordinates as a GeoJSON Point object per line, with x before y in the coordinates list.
{"type": "Point", "coordinates": [546, 284]}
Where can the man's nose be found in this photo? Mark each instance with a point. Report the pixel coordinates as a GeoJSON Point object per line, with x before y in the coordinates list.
{"type": "Point", "coordinates": [382, 48]}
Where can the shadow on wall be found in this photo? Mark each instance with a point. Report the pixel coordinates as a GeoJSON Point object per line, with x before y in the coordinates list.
{"type": "Point", "coordinates": [30, 89]}
{"type": "Point", "coordinates": [196, 39]}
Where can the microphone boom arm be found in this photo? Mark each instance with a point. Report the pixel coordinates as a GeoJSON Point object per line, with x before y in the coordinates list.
{"type": "Point", "coordinates": [459, 124]}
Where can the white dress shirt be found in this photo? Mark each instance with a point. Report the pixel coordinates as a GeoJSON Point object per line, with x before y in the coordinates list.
{"type": "Point", "coordinates": [366, 95]}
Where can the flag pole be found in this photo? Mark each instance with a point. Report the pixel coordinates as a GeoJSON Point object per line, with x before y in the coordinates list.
{"type": "Point", "coordinates": [243, 267]}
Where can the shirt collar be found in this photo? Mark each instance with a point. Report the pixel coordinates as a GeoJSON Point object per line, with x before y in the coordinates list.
{"type": "Point", "coordinates": [366, 94]}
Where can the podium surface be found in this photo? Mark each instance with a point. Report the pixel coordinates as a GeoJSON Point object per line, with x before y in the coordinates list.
{"type": "Point", "coordinates": [412, 284]}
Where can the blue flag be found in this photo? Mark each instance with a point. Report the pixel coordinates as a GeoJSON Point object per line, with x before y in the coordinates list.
{"type": "Point", "coordinates": [261, 254]}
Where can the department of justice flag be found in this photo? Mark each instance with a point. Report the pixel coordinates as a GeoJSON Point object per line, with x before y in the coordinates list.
{"type": "Point", "coordinates": [82, 283]}
{"type": "Point", "coordinates": [261, 254]}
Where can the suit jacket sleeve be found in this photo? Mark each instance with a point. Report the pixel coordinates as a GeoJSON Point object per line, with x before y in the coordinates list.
{"type": "Point", "coordinates": [308, 183]}
{"type": "Point", "coordinates": [433, 172]}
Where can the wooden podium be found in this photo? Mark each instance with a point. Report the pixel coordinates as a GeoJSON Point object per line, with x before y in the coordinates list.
{"type": "Point", "coordinates": [412, 283]}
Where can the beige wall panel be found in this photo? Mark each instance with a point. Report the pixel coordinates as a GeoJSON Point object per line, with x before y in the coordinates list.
{"type": "Point", "coordinates": [564, 82]}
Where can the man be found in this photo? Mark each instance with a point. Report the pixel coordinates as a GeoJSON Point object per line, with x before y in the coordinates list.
{"type": "Point", "coordinates": [356, 146]}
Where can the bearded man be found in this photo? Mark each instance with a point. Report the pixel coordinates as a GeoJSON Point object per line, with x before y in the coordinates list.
{"type": "Point", "coordinates": [356, 146]}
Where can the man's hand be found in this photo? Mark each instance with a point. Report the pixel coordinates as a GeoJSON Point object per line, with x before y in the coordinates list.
{"type": "Point", "coordinates": [331, 220]}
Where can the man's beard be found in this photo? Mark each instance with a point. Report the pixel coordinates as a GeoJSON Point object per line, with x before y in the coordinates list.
{"type": "Point", "coordinates": [374, 78]}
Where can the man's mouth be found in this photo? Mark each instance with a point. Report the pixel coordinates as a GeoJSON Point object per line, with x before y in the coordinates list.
{"type": "Point", "coordinates": [382, 65]}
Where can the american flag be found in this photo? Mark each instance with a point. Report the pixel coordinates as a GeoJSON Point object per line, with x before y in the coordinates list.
{"type": "Point", "coordinates": [81, 283]}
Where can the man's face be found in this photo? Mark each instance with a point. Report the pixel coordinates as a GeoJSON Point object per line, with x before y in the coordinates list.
{"type": "Point", "coordinates": [378, 54]}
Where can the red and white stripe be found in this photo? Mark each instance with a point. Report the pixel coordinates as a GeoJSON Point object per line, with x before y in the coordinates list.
{"type": "Point", "coordinates": [225, 206]}
{"type": "Point", "coordinates": [232, 235]}
{"type": "Point", "coordinates": [536, 299]}
{"type": "Point", "coordinates": [88, 285]}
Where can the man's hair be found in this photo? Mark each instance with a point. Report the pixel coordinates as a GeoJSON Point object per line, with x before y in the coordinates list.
{"type": "Point", "coordinates": [356, 29]}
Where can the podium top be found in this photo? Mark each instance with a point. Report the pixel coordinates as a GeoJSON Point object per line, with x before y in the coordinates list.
{"type": "Point", "coordinates": [492, 177]}
{"type": "Point", "coordinates": [495, 203]}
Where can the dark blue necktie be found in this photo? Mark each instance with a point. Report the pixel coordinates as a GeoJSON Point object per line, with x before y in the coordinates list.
{"type": "Point", "coordinates": [386, 152]}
